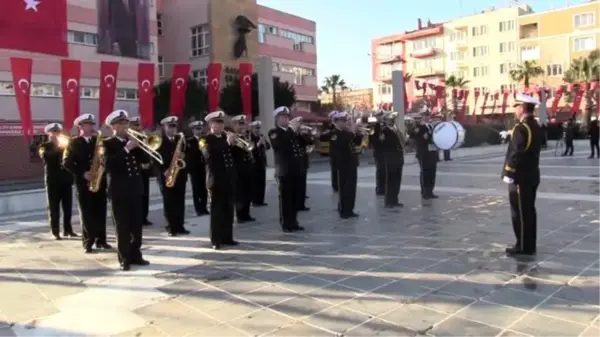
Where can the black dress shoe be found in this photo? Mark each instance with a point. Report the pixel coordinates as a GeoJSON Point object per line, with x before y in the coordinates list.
{"type": "Point", "coordinates": [57, 237]}
{"type": "Point", "coordinates": [433, 196]}
{"type": "Point", "coordinates": [304, 209]}
{"type": "Point", "coordinates": [591, 157]}
{"type": "Point", "coordinates": [259, 204]}
{"type": "Point", "coordinates": [353, 215]}
{"type": "Point", "coordinates": [201, 212]}
{"type": "Point", "coordinates": [87, 250]}
{"type": "Point", "coordinates": [517, 251]}
{"type": "Point", "coordinates": [141, 262]}
{"type": "Point", "coordinates": [425, 197]}
{"type": "Point", "coordinates": [251, 218]}
{"type": "Point", "coordinates": [216, 247]}
{"type": "Point", "coordinates": [70, 234]}
{"type": "Point", "coordinates": [103, 246]}
{"type": "Point", "coordinates": [125, 266]}
{"type": "Point", "coordinates": [231, 243]}
{"type": "Point", "coordinates": [288, 230]}
{"type": "Point", "coordinates": [183, 231]}
{"type": "Point", "coordinates": [298, 228]}
{"type": "Point", "coordinates": [172, 234]}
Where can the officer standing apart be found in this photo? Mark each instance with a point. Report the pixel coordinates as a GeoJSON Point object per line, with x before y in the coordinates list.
{"type": "Point", "coordinates": [594, 132]}
{"type": "Point", "coordinates": [196, 167]}
{"type": "Point", "coordinates": [427, 154]}
{"type": "Point", "coordinates": [378, 154]}
{"type": "Point", "coordinates": [147, 172]}
{"type": "Point", "coordinates": [569, 135]}
{"type": "Point", "coordinates": [244, 166]}
{"type": "Point", "coordinates": [125, 189]}
{"type": "Point", "coordinates": [332, 164]}
{"type": "Point", "coordinates": [392, 150]}
{"type": "Point", "coordinates": [92, 205]}
{"type": "Point", "coordinates": [173, 197]}
{"type": "Point", "coordinates": [216, 148]}
{"type": "Point", "coordinates": [288, 169]}
{"type": "Point", "coordinates": [259, 152]}
{"type": "Point", "coordinates": [58, 181]}
{"type": "Point", "coordinates": [343, 144]}
{"type": "Point", "coordinates": [522, 174]}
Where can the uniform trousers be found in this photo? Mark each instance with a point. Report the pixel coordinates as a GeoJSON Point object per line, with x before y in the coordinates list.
{"type": "Point", "coordinates": [221, 214]}
{"type": "Point", "coordinates": [334, 175]}
{"type": "Point", "coordinates": [288, 186]}
{"type": "Point", "coordinates": [447, 155]}
{"type": "Point", "coordinates": [59, 195]}
{"type": "Point", "coordinates": [126, 213]}
{"type": "Point", "coordinates": [380, 175]}
{"type": "Point", "coordinates": [92, 213]}
{"type": "Point", "coordinates": [199, 192]}
{"type": "Point", "coordinates": [594, 147]}
{"type": "Point", "coordinates": [260, 184]}
{"type": "Point", "coordinates": [569, 148]}
{"type": "Point", "coordinates": [524, 216]}
{"type": "Point", "coordinates": [301, 198]}
{"type": "Point", "coordinates": [243, 194]}
{"type": "Point", "coordinates": [428, 163]}
{"type": "Point", "coordinates": [347, 179]}
{"type": "Point", "coordinates": [393, 180]}
{"type": "Point", "coordinates": [145, 196]}
{"type": "Point", "coordinates": [174, 207]}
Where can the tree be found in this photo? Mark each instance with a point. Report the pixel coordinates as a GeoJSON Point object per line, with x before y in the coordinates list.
{"type": "Point", "coordinates": [333, 85]}
{"type": "Point", "coordinates": [455, 82]}
{"type": "Point", "coordinates": [196, 100]}
{"type": "Point", "coordinates": [584, 70]}
{"type": "Point", "coordinates": [231, 96]}
{"type": "Point", "coordinates": [525, 72]}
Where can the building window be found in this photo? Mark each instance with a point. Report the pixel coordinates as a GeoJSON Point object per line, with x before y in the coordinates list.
{"type": "Point", "coordinates": [479, 30]}
{"type": "Point", "coordinates": [200, 40]}
{"type": "Point", "coordinates": [480, 51]}
{"type": "Point", "coordinates": [384, 89]}
{"type": "Point", "coordinates": [296, 70]}
{"type": "Point", "coordinates": [554, 70]}
{"type": "Point", "coordinates": [584, 43]}
{"type": "Point", "coordinates": [507, 47]}
{"type": "Point", "coordinates": [275, 66]}
{"type": "Point", "coordinates": [506, 67]}
{"type": "Point", "coordinates": [161, 67]}
{"type": "Point", "coordinates": [159, 24]}
{"type": "Point", "coordinates": [584, 20]}
{"type": "Point", "coordinates": [152, 48]}
{"type": "Point", "coordinates": [297, 47]}
{"type": "Point", "coordinates": [89, 39]}
{"type": "Point", "coordinates": [483, 90]}
{"type": "Point", "coordinates": [201, 76]}
{"type": "Point", "coordinates": [262, 33]}
{"type": "Point", "coordinates": [424, 43]}
{"type": "Point", "coordinates": [296, 37]}
{"type": "Point", "coordinates": [457, 56]}
{"type": "Point", "coordinates": [480, 71]}
{"type": "Point", "coordinates": [54, 90]}
{"type": "Point", "coordinates": [273, 30]}
{"type": "Point", "coordinates": [458, 35]}
{"type": "Point", "coordinates": [506, 26]}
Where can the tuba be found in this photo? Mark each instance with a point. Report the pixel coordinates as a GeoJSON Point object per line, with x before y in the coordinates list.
{"type": "Point", "coordinates": [97, 167]}
{"type": "Point", "coordinates": [177, 162]}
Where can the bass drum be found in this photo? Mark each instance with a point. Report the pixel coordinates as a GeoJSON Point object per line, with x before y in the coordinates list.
{"type": "Point", "coordinates": [448, 135]}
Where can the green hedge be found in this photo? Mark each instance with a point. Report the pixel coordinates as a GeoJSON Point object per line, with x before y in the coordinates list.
{"type": "Point", "coordinates": [480, 134]}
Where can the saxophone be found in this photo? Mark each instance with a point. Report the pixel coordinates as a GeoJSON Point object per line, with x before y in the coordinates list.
{"type": "Point", "coordinates": [97, 167]}
{"type": "Point", "coordinates": [177, 162]}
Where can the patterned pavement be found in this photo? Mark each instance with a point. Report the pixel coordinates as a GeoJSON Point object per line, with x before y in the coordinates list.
{"type": "Point", "coordinates": [432, 268]}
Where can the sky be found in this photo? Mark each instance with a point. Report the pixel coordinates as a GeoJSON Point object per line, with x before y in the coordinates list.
{"type": "Point", "coordinates": [345, 27]}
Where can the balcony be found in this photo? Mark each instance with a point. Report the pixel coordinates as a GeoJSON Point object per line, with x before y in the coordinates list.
{"type": "Point", "coordinates": [309, 81]}
{"type": "Point", "coordinates": [279, 41]}
{"type": "Point", "coordinates": [425, 72]}
{"type": "Point", "coordinates": [530, 53]}
{"type": "Point", "coordinates": [529, 31]}
{"type": "Point", "coordinates": [427, 52]}
{"type": "Point", "coordinates": [461, 44]}
{"type": "Point", "coordinates": [390, 59]}
{"type": "Point", "coordinates": [308, 48]}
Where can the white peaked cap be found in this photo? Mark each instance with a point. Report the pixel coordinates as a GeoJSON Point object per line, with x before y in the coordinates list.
{"type": "Point", "coordinates": [196, 124]}
{"type": "Point", "coordinates": [169, 120]}
{"type": "Point", "coordinates": [281, 110]}
{"type": "Point", "coordinates": [85, 118]}
{"type": "Point", "coordinates": [332, 114]}
{"type": "Point", "coordinates": [135, 120]}
{"type": "Point", "coordinates": [256, 123]}
{"type": "Point", "coordinates": [340, 115]}
{"type": "Point", "coordinates": [238, 118]}
{"type": "Point", "coordinates": [522, 98]}
{"type": "Point", "coordinates": [214, 115]}
{"type": "Point", "coordinates": [53, 127]}
{"type": "Point", "coordinates": [116, 116]}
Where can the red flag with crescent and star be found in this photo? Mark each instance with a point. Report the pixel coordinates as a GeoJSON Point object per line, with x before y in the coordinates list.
{"type": "Point", "coordinates": [21, 71]}
{"type": "Point", "coordinates": [38, 26]}
{"type": "Point", "coordinates": [246, 88]}
{"type": "Point", "coordinates": [70, 74]}
{"type": "Point", "coordinates": [179, 80]}
{"type": "Point", "coordinates": [146, 94]}
{"type": "Point", "coordinates": [214, 85]}
{"type": "Point", "coordinates": [108, 88]}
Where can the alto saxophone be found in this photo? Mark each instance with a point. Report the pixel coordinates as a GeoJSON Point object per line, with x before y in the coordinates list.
{"type": "Point", "coordinates": [97, 167]}
{"type": "Point", "coordinates": [177, 162]}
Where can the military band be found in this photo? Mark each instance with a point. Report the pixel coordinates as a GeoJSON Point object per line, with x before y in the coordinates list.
{"type": "Point", "coordinates": [244, 167]}
{"type": "Point", "coordinates": [216, 147]}
{"type": "Point", "coordinates": [58, 181]}
{"type": "Point", "coordinates": [427, 155]}
{"type": "Point", "coordinates": [330, 131]}
{"type": "Point", "coordinates": [259, 152]}
{"type": "Point", "coordinates": [78, 159]}
{"type": "Point", "coordinates": [125, 189]}
{"type": "Point", "coordinates": [392, 142]}
{"type": "Point", "coordinates": [305, 143]}
{"type": "Point", "coordinates": [147, 172]}
{"type": "Point", "coordinates": [197, 168]}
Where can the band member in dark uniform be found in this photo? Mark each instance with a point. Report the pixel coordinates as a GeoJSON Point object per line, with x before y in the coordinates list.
{"type": "Point", "coordinates": [216, 148]}
{"type": "Point", "coordinates": [392, 143]}
{"type": "Point", "coordinates": [378, 154]}
{"type": "Point", "coordinates": [343, 144]}
{"type": "Point", "coordinates": [244, 166]}
{"type": "Point", "coordinates": [125, 189]}
{"type": "Point", "coordinates": [147, 172]}
{"type": "Point", "coordinates": [594, 132]}
{"type": "Point", "coordinates": [259, 152]}
{"type": "Point", "coordinates": [197, 168]}
{"type": "Point", "coordinates": [173, 197]}
{"type": "Point", "coordinates": [522, 174]}
{"type": "Point", "coordinates": [427, 154]}
{"type": "Point", "coordinates": [569, 136]}
{"type": "Point", "coordinates": [92, 204]}
{"type": "Point", "coordinates": [58, 181]}
{"type": "Point", "coordinates": [305, 142]}
{"type": "Point", "coordinates": [332, 164]}
{"type": "Point", "coordinates": [288, 169]}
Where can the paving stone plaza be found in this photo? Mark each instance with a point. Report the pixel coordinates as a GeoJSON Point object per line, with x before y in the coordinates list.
{"type": "Point", "coordinates": [432, 268]}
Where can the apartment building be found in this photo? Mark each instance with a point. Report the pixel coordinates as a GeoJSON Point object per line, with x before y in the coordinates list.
{"type": "Point", "coordinates": [361, 99]}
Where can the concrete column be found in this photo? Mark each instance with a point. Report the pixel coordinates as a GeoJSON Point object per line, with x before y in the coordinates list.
{"type": "Point", "coordinates": [398, 98]}
{"type": "Point", "coordinates": [543, 109]}
{"type": "Point", "coordinates": [266, 99]}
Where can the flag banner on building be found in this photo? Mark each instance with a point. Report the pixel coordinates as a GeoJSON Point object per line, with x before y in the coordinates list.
{"type": "Point", "coordinates": [406, 104]}
{"type": "Point", "coordinates": [557, 96]}
{"type": "Point", "coordinates": [439, 96]}
{"type": "Point", "coordinates": [179, 80]}
{"type": "Point", "coordinates": [476, 94]}
{"type": "Point", "coordinates": [108, 88]}
{"type": "Point", "coordinates": [213, 73]}
{"type": "Point", "coordinates": [495, 98]}
{"type": "Point", "coordinates": [505, 95]}
{"type": "Point", "coordinates": [463, 111]}
{"type": "Point", "coordinates": [577, 100]}
{"type": "Point", "coordinates": [246, 88]}
{"type": "Point", "coordinates": [124, 28]}
{"type": "Point", "coordinates": [146, 94]}
{"type": "Point", "coordinates": [485, 99]}
{"type": "Point", "coordinates": [21, 69]}
{"type": "Point", "coordinates": [70, 77]}
{"type": "Point", "coordinates": [34, 26]}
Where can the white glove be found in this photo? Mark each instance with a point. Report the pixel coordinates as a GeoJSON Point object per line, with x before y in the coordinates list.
{"type": "Point", "coordinates": [508, 180]}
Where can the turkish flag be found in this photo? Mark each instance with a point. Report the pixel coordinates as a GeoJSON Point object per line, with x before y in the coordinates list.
{"type": "Point", "coordinates": [577, 100]}
{"type": "Point", "coordinates": [21, 71]}
{"type": "Point", "coordinates": [70, 74]}
{"type": "Point", "coordinates": [246, 88]}
{"type": "Point", "coordinates": [557, 96]}
{"type": "Point", "coordinates": [485, 99]}
{"type": "Point", "coordinates": [214, 86]}
{"type": "Point", "coordinates": [505, 100]}
{"type": "Point", "coordinates": [108, 88]}
{"type": "Point", "coordinates": [38, 26]}
{"type": "Point", "coordinates": [146, 94]}
{"type": "Point", "coordinates": [464, 95]}
{"type": "Point", "coordinates": [179, 79]}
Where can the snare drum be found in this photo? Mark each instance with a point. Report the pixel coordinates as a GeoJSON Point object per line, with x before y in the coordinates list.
{"type": "Point", "coordinates": [448, 135]}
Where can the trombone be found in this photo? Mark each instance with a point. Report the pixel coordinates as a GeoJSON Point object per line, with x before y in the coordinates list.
{"type": "Point", "coordinates": [239, 142]}
{"type": "Point", "coordinates": [148, 143]}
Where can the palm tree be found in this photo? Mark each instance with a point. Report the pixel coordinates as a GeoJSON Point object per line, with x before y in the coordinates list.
{"type": "Point", "coordinates": [455, 82]}
{"type": "Point", "coordinates": [585, 70]}
{"type": "Point", "coordinates": [525, 72]}
{"type": "Point", "coordinates": [332, 85]}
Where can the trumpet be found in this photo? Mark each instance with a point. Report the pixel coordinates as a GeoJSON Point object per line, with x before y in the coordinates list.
{"type": "Point", "coordinates": [239, 141]}
{"type": "Point", "coordinates": [148, 143]}
{"type": "Point", "coordinates": [62, 141]}
{"type": "Point", "coordinates": [365, 130]}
